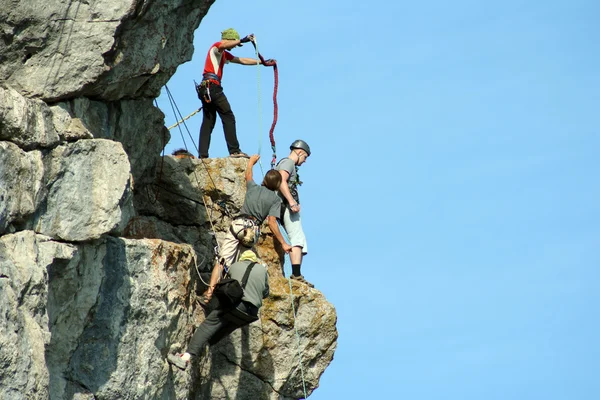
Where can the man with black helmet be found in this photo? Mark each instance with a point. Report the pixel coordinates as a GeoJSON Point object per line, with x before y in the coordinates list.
{"type": "Point", "coordinates": [288, 191]}
{"type": "Point", "coordinates": [211, 93]}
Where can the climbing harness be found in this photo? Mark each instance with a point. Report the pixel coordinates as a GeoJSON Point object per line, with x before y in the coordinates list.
{"type": "Point", "coordinates": [210, 77]}
{"type": "Point", "coordinates": [207, 79]}
{"type": "Point", "coordinates": [247, 230]}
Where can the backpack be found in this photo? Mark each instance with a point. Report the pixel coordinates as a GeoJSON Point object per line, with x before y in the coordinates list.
{"type": "Point", "coordinates": [229, 291]}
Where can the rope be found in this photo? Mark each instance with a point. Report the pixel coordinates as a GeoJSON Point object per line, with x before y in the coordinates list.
{"type": "Point", "coordinates": [271, 137]}
{"type": "Point", "coordinates": [193, 142]}
{"type": "Point", "coordinates": [275, 115]}
{"type": "Point", "coordinates": [198, 270]}
{"type": "Point", "coordinates": [284, 233]}
{"type": "Point", "coordinates": [260, 117]}
{"type": "Point", "coordinates": [275, 105]}
{"type": "Point", "coordinates": [174, 107]}
{"type": "Point", "coordinates": [178, 194]}
{"type": "Point", "coordinates": [298, 341]}
{"type": "Point", "coordinates": [184, 119]}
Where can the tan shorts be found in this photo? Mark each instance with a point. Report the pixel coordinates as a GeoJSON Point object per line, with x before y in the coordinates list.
{"type": "Point", "coordinates": [231, 248]}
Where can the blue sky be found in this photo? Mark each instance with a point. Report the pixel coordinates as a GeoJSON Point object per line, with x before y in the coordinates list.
{"type": "Point", "coordinates": [452, 201]}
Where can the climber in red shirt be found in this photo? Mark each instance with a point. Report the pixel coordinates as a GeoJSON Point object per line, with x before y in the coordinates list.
{"type": "Point", "coordinates": [211, 93]}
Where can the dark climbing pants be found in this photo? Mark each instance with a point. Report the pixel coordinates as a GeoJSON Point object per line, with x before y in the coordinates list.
{"type": "Point", "coordinates": [218, 104]}
{"type": "Point", "coordinates": [220, 323]}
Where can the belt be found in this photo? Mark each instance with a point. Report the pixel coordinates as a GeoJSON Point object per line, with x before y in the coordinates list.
{"type": "Point", "coordinates": [211, 77]}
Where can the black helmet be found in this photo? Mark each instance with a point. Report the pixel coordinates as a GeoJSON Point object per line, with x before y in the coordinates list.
{"type": "Point", "coordinates": [300, 144]}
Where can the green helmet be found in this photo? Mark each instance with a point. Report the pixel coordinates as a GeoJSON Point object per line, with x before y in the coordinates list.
{"type": "Point", "coordinates": [230, 34]}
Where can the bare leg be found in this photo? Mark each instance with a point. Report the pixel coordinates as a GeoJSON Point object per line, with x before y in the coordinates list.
{"type": "Point", "coordinates": [296, 255]}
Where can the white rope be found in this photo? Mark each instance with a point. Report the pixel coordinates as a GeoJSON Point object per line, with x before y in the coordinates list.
{"type": "Point", "coordinates": [174, 106]}
{"type": "Point", "coordinates": [260, 122]}
{"type": "Point", "coordinates": [186, 118]}
{"type": "Point", "coordinates": [284, 233]}
{"type": "Point", "coordinates": [197, 269]}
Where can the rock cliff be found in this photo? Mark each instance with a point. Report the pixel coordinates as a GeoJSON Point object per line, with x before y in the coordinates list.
{"type": "Point", "coordinates": [102, 240]}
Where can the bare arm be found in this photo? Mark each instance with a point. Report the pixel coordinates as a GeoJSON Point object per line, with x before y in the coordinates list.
{"type": "Point", "coordinates": [272, 221]}
{"type": "Point", "coordinates": [245, 61]}
{"type": "Point", "coordinates": [251, 163]}
{"type": "Point", "coordinates": [284, 188]}
{"type": "Point", "coordinates": [215, 277]}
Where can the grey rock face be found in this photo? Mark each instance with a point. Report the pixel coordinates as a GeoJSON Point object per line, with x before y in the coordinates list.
{"type": "Point", "coordinates": [137, 124]}
{"type": "Point", "coordinates": [84, 313]}
{"type": "Point", "coordinates": [91, 319]}
{"type": "Point", "coordinates": [113, 315]}
{"type": "Point", "coordinates": [186, 185]}
{"type": "Point", "coordinates": [97, 320]}
{"type": "Point", "coordinates": [107, 49]}
{"type": "Point", "coordinates": [89, 191]}
{"type": "Point", "coordinates": [24, 335]}
{"type": "Point", "coordinates": [21, 176]}
{"type": "Point", "coordinates": [200, 238]}
{"type": "Point", "coordinates": [262, 358]}
{"type": "Point", "coordinates": [53, 48]}
{"type": "Point", "coordinates": [28, 123]}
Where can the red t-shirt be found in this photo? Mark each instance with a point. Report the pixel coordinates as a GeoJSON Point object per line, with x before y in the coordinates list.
{"type": "Point", "coordinates": [215, 60]}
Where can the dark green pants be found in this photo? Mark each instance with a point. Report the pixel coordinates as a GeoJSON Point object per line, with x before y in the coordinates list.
{"type": "Point", "coordinates": [220, 323]}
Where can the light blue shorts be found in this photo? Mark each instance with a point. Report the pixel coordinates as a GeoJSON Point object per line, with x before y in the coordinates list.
{"type": "Point", "coordinates": [293, 227]}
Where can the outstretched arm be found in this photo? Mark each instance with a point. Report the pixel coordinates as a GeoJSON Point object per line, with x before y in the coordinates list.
{"type": "Point", "coordinates": [253, 160]}
{"type": "Point", "coordinates": [245, 61]}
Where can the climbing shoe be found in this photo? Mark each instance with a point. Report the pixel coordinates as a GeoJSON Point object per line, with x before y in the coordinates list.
{"type": "Point", "coordinates": [176, 360]}
{"type": "Point", "coordinates": [301, 279]}
{"type": "Point", "coordinates": [239, 154]}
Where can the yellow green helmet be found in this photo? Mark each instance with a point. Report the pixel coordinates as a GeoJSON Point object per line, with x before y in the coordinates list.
{"type": "Point", "coordinates": [230, 34]}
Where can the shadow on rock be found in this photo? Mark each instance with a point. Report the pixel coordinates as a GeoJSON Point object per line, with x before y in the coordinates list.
{"type": "Point", "coordinates": [89, 306]}
{"type": "Point", "coordinates": [236, 368]}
